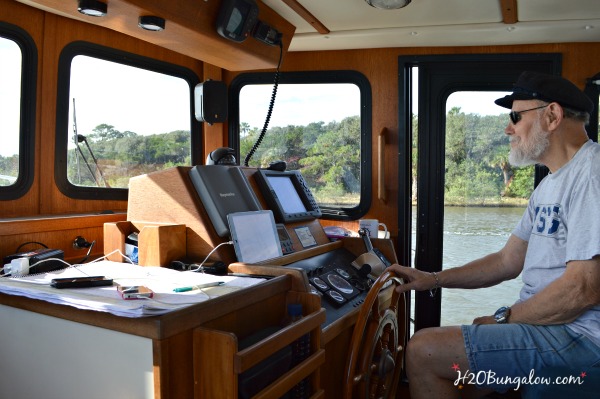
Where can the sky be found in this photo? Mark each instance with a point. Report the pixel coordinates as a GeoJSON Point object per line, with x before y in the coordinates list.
{"type": "Point", "coordinates": [155, 102]}
{"type": "Point", "coordinates": [299, 104]}
{"type": "Point", "coordinates": [10, 93]}
{"type": "Point", "coordinates": [477, 102]}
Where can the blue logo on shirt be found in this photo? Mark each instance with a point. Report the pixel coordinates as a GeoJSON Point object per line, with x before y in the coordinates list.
{"type": "Point", "coordinates": [547, 219]}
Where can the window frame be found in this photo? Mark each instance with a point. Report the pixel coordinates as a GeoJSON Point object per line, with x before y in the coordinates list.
{"type": "Point", "coordinates": [593, 92]}
{"type": "Point", "coordinates": [62, 112]}
{"type": "Point", "coordinates": [28, 100]}
{"type": "Point", "coordinates": [316, 77]}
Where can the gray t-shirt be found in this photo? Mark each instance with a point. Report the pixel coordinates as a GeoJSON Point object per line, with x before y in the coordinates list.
{"type": "Point", "coordinates": [561, 224]}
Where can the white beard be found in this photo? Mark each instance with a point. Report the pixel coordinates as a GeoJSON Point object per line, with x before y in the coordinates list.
{"type": "Point", "coordinates": [530, 152]}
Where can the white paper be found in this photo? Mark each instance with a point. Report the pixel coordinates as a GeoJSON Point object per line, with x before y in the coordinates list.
{"type": "Point", "coordinates": [160, 280]}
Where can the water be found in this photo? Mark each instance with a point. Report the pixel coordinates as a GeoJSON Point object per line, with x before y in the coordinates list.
{"type": "Point", "coordinates": [470, 233]}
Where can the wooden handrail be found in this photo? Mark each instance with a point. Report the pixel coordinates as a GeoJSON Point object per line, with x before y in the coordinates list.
{"type": "Point", "coordinates": [37, 224]}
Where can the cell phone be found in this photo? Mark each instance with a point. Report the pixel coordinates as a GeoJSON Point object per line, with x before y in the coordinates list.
{"type": "Point", "coordinates": [80, 282]}
{"type": "Point", "coordinates": [135, 291]}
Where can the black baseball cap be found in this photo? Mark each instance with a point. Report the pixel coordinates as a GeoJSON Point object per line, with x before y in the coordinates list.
{"type": "Point", "coordinates": [550, 88]}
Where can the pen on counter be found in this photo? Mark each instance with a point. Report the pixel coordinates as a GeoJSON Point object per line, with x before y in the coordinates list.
{"type": "Point", "coordinates": [198, 286]}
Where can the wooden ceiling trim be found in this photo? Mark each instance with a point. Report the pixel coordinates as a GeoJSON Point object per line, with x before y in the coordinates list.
{"type": "Point", "coordinates": [307, 16]}
{"type": "Point", "coordinates": [509, 11]}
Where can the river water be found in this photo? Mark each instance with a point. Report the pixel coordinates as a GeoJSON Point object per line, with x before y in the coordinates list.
{"type": "Point", "coordinates": [470, 233]}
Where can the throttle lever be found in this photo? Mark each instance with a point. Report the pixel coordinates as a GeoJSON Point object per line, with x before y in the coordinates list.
{"type": "Point", "coordinates": [364, 233]}
{"type": "Point", "coordinates": [369, 258]}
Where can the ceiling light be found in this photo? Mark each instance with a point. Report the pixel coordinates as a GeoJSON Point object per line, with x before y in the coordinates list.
{"type": "Point", "coordinates": [150, 22]}
{"type": "Point", "coordinates": [388, 4]}
{"type": "Point", "coordinates": [93, 8]}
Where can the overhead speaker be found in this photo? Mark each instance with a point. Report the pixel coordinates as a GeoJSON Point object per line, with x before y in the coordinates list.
{"type": "Point", "coordinates": [210, 101]}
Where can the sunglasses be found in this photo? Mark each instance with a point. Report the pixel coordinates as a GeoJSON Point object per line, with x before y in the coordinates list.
{"type": "Point", "coordinates": [515, 116]}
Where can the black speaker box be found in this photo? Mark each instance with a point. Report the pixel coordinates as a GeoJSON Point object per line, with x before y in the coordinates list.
{"type": "Point", "coordinates": [210, 101]}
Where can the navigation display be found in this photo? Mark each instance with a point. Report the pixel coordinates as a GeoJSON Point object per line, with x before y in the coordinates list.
{"type": "Point", "coordinates": [287, 195]}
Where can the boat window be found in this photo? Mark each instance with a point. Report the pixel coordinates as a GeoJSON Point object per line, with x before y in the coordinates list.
{"type": "Point", "coordinates": [119, 119]}
{"type": "Point", "coordinates": [10, 107]}
{"type": "Point", "coordinates": [320, 125]}
{"type": "Point", "coordinates": [17, 111]}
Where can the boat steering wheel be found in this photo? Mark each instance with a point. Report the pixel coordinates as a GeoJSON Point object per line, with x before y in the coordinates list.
{"type": "Point", "coordinates": [376, 353]}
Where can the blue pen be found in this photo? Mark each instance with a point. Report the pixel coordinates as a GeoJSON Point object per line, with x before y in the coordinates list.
{"type": "Point", "coordinates": [198, 287]}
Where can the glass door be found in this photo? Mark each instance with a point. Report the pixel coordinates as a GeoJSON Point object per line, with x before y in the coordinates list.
{"type": "Point", "coordinates": [458, 197]}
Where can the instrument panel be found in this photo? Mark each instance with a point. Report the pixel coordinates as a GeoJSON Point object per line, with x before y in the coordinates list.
{"type": "Point", "coordinates": [341, 286]}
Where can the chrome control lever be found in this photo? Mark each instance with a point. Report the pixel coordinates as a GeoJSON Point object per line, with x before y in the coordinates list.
{"type": "Point", "coordinates": [372, 256]}
{"type": "Point", "coordinates": [364, 233]}
{"type": "Point", "coordinates": [369, 258]}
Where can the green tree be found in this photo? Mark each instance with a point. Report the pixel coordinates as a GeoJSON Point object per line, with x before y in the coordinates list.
{"type": "Point", "coordinates": [104, 132]}
{"type": "Point", "coordinates": [477, 167]}
{"type": "Point", "coordinates": [122, 155]}
{"type": "Point", "coordinates": [244, 129]}
{"type": "Point", "coordinates": [456, 143]}
{"type": "Point", "coordinates": [333, 162]}
{"type": "Point", "coordinates": [521, 184]}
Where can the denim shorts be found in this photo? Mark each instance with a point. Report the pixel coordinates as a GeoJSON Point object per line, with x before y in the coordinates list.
{"type": "Point", "coordinates": [518, 356]}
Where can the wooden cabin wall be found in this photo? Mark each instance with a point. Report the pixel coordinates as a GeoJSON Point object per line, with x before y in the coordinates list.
{"type": "Point", "coordinates": [45, 214]}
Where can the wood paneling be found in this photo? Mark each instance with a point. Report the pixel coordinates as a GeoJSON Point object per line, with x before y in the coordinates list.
{"type": "Point", "coordinates": [189, 29]}
{"type": "Point", "coordinates": [32, 21]}
{"type": "Point", "coordinates": [57, 232]}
